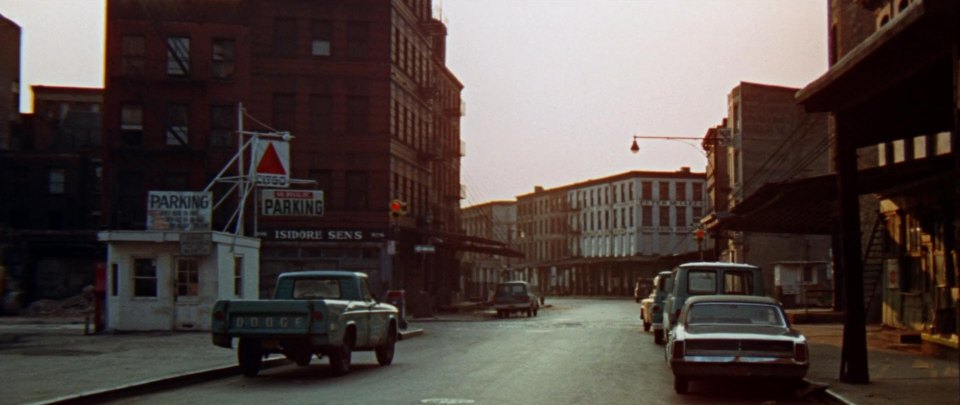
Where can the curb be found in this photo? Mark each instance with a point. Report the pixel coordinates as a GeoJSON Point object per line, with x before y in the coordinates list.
{"type": "Point", "coordinates": [174, 381]}
{"type": "Point", "coordinates": [824, 393]}
{"type": "Point", "coordinates": [160, 384]}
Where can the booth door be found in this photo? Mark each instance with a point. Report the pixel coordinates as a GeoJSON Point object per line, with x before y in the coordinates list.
{"type": "Point", "coordinates": [187, 295]}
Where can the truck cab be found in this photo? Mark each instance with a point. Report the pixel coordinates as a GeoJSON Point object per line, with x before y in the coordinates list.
{"type": "Point", "coordinates": [709, 278]}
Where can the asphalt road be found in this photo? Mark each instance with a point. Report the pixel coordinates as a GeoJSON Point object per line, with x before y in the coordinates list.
{"type": "Point", "coordinates": [579, 351]}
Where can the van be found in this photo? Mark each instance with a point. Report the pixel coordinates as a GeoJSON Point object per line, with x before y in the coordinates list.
{"type": "Point", "coordinates": [709, 278]}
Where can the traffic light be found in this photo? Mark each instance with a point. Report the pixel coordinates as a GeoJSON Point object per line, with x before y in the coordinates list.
{"type": "Point", "coordinates": [398, 208]}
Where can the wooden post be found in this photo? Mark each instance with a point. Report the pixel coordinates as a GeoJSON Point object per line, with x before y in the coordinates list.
{"type": "Point", "coordinates": [853, 358]}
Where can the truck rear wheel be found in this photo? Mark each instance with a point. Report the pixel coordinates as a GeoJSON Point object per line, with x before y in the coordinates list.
{"type": "Point", "coordinates": [340, 360]}
{"type": "Point", "coordinates": [249, 356]}
{"type": "Point", "coordinates": [385, 352]}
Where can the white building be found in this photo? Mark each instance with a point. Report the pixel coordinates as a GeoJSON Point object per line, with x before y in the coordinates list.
{"type": "Point", "coordinates": [169, 280]}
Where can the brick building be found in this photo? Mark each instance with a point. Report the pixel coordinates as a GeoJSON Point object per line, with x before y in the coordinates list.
{"type": "Point", "coordinates": [50, 210]}
{"type": "Point", "coordinates": [765, 139]}
{"type": "Point", "coordinates": [10, 38]}
{"type": "Point", "coordinates": [361, 86]}
{"type": "Point", "coordinates": [600, 236]}
{"type": "Point", "coordinates": [496, 220]}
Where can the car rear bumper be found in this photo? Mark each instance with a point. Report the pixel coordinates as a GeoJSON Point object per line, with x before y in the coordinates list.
{"type": "Point", "coordinates": [751, 367]}
{"type": "Point", "coordinates": [513, 307]}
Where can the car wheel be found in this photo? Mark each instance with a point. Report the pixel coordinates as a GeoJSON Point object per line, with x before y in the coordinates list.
{"type": "Point", "coordinates": [340, 360]}
{"type": "Point", "coordinates": [646, 326]}
{"type": "Point", "coordinates": [250, 356]}
{"type": "Point", "coordinates": [681, 385]}
{"type": "Point", "coordinates": [658, 336]}
{"type": "Point", "coordinates": [385, 352]}
{"type": "Point", "coordinates": [529, 313]}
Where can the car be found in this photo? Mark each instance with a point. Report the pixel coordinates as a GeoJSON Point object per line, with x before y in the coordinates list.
{"type": "Point", "coordinates": [515, 296]}
{"type": "Point", "coordinates": [651, 308]}
{"type": "Point", "coordinates": [646, 311]}
{"type": "Point", "coordinates": [735, 337]}
{"type": "Point", "coordinates": [709, 278]}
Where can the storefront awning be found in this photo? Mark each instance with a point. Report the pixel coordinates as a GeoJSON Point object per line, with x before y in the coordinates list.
{"type": "Point", "coordinates": [808, 206]}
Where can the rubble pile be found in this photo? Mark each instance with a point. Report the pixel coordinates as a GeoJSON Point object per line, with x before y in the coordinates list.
{"type": "Point", "coordinates": [77, 305]}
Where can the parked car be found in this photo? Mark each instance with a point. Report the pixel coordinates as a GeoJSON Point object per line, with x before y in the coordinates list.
{"type": "Point", "coordinates": [725, 336]}
{"type": "Point", "coordinates": [646, 309]}
{"type": "Point", "coordinates": [312, 313]}
{"type": "Point", "coordinates": [709, 278]}
{"type": "Point", "coordinates": [515, 296]}
{"type": "Point", "coordinates": [651, 308]}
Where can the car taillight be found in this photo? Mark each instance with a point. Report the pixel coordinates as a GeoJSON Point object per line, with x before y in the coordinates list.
{"type": "Point", "coordinates": [800, 352]}
{"type": "Point", "coordinates": [317, 316]}
{"type": "Point", "coordinates": [678, 349]}
{"type": "Point", "coordinates": [218, 315]}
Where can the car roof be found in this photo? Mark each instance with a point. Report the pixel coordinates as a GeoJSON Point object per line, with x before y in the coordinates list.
{"type": "Point", "coordinates": [746, 299]}
{"type": "Point", "coordinates": [665, 273]}
{"type": "Point", "coordinates": [322, 273]}
{"type": "Point", "coordinates": [718, 265]}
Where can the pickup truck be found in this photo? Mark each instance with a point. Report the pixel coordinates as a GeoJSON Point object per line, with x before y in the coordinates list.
{"type": "Point", "coordinates": [322, 313]}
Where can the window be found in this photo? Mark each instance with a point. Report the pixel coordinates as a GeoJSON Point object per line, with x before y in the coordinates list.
{"type": "Point", "coordinates": [702, 282]}
{"type": "Point", "coordinates": [664, 215]}
{"type": "Point", "coordinates": [178, 56]}
{"type": "Point", "coordinates": [144, 278]}
{"type": "Point", "coordinates": [664, 191]}
{"type": "Point", "coordinates": [283, 111]}
{"type": "Point", "coordinates": [114, 273]}
{"type": "Point", "coordinates": [646, 191]}
{"type": "Point", "coordinates": [738, 282]}
{"type": "Point", "coordinates": [357, 45]}
{"type": "Point", "coordinates": [56, 181]}
{"type": "Point", "coordinates": [131, 124]}
{"type": "Point", "coordinates": [238, 276]}
{"type": "Point", "coordinates": [321, 114]}
{"type": "Point", "coordinates": [222, 66]}
{"type": "Point", "coordinates": [131, 203]}
{"type": "Point", "coordinates": [221, 126]}
{"type": "Point", "coordinates": [681, 216]}
{"type": "Point", "coordinates": [680, 190]}
{"type": "Point", "coordinates": [647, 215]}
{"type": "Point", "coordinates": [322, 32]}
{"type": "Point", "coordinates": [284, 36]}
{"type": "Point", "coordinates": [697, 191]}
{"type": "Point", "coordinates": [133, 51]}
{"type": "Point", "coordinates": [324, 180]}
{"type": "Point", "coordinates": [177, 130]}
{"type": "Point", "coordinates": [307, 289]}
{"type": "Point", "coordinates": [357, 189]}
{"type": "Point", "coordinates": [358, 114]}
{"type": "Point", "coordinates": [697, 214]}
{"type": "Point", "coordinates": [188, 278]}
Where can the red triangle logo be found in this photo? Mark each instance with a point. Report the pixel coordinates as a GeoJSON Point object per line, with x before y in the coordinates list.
{"type": "Point", "coordinates": [270, 162]}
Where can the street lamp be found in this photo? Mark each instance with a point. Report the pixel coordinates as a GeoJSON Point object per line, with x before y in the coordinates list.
{"type": "Point", "coordinates": [636, 147]}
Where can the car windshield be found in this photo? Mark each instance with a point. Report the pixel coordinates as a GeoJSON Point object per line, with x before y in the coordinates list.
{"type": "Point", "coordinates": [734, 313]}
{"type": "Point", "coordinates": [511, 289]}
{"type": "Point", "coordinates": [308, 289]}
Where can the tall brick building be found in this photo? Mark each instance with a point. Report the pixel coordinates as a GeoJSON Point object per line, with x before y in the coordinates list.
{"type": "Point", "coordinates": [10, 35]}
{"type": "Point", "coordinates": [362, 87]}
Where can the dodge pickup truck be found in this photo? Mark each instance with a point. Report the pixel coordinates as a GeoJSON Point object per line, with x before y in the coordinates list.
{"type": "Point", "coordinates": [322, 313]}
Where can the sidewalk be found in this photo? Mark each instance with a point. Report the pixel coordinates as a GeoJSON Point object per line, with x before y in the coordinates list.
{"type": "Point", "coordinates": [899, 374]}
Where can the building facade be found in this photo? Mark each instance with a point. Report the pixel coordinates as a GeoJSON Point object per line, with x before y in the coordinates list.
{"type": "Point", "coordinates": [50, 210]}
{"type": "Point", "coordinates": [362, 88]}
{"type": "Point", "coordinates": [10, 40]}
{"type": "Point", "coordinates": [765, 139]}
{"type": "Point", "coordinates": [495, 220]}
{"type": "Point", "coordinates": [598, 237]}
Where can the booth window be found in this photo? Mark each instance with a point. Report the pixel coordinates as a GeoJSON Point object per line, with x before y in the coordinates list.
{"type": "Point", "coordinates": [238, 276]}
{"type": "Point", "coordinates": [144, 278]}
{"type": "Point", "coordinates": [188, 278]}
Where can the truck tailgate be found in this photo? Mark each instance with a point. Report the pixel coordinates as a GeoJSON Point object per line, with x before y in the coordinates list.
{"type": "Point", "coordinates": [275, 317]}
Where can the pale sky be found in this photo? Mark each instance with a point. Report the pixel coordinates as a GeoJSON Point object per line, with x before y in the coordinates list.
{"type": "Point", "coordinates": [554, 89]}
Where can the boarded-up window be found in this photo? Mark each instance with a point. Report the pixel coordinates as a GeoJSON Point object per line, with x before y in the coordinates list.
{"type": "Point", "coordinates": [283, 111]}
{"type": "Point", "coordinates": [131, 124]}
{"type": "Point", "coordinates": [357, 39]}
{"type": "Point", "coordinates": [322, 37]}
{"type": "Point", "coordinates": [358, 114]}
{"type": "Point", "coordinates": [177, 133]}
{"type": "Point", "coordinates": [321, 114]}
{"type": "Point", "coordinates": [178, 56]}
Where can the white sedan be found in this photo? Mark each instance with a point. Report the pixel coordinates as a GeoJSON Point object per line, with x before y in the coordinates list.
{"type": "Point", "coordinates": [727, 336]}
